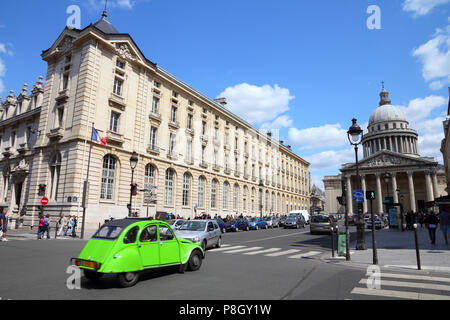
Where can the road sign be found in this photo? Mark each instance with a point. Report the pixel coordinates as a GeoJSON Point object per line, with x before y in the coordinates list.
{"type": "Point", "coordinates": [44, 201]}
{"type": "Point", "coordinates": [358, 196]}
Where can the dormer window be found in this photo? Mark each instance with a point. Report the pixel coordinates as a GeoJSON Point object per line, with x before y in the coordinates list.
{"type": "Point", "coordinates": [65, 83]}
{"type": "Point", "coordinates": [118, 84]}
{"type": "Point", "coordinates": [156, 84]}
{"type": "Point", "coordinates": [68, 59]}
{"type": "Point", "coordinates": [174, 94]}
{"type": "Point", "coordinates": [120, 64]}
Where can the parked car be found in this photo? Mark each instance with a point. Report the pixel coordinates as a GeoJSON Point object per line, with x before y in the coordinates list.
{"type": "Point", "coordinates": [176, 224]}
{"type": "Point", "coordinates": [205, 232]}
{"type": "Point", "coordinates": [272, 222]}
{"type": "Point", "coordinates": [304, 213]}
{"type": "Point", "coordinates": [282, 221]}
{"type": "Point", "coordinates": [321, 224]}
{"type": "Point", "coordinates": [257, 223]}
{"type": "Point", "coordinates": [379, 223]}
{"type": "Point", "coordinates": [127, 246]}
{"type": "Point", "coordinates": [295, 222]}
{"type": "Point", "coordinates": [221, 223]}
{"type": "Point", "coordinates": [238, 224]}
{"type": "Point", "coordinates": [352, 220]}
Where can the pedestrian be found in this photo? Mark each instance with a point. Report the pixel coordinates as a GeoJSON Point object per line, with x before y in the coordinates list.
{"type": "Point", "coordinates": [444, 218]}
{"type": "Point", "coordinates": [47, 225]}
{"type": "Point", "coordinates": [74, 227]}
{"type": "Point", "coordinates": [431, 222]}
{"type": "Point", "coordinates": [4, 224]}
{"type": "Point", "coordinates": [68, 226]}
{"type": "Point", "coordinates": [408, 221]}
{"type": "Point", "coordinates": [61, 223]}
{"type": "Point", "coordinates": [420, 218]}
{"type": "Point", "coordinates": [41, 226]}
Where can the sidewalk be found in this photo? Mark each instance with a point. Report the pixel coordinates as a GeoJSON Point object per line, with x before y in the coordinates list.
{"type": "Point", "coordinates": [397, 250]}
{"type": "Point", "coordinates": [27, 234]}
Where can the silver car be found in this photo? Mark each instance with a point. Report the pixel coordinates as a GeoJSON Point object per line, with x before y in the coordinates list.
{"type": "Point", "coordinates": [176, 224]}
{"type": "Point", "coordinates": [207, 232]}
{"type": "Point", "coordinates": [321, 224]}
{"type": "Point", "coordinates": [272, 222]}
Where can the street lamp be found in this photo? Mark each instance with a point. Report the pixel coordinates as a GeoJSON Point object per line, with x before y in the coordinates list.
{"type": "Point", "coordinates": [354, 135]}
{"type": "Point", "coordinates": [133, 164]}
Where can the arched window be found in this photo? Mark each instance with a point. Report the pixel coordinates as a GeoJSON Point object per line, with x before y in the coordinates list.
{"type": "Point", "coordinates": [235, 196]}
{"type": "Point", "coordinates": [55, 169]}
{"type": "Point", "coordinates": [272, 206]}
{"type": "Point", "coordinates": [201, 192]}
{"type": "Point", "coordinates": [169, 186]}
{"type": "Point", "coordinates": [225, 195]}
{"type": "Point", "coordinates": [149, 178]}
{"type": "Point", "coordinates": [108, 177]}
{"type": "Point", "coordinates": [186, 189]}
{"type": "Point", "coordinates": [267, 201]}
{"type": "Point", "coordinates": [213, 193]}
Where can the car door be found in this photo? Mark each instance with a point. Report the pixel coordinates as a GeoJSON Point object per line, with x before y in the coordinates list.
{"type": "Point", "coordinates": [149, 247]}
{"type": "Point", "coordinates": [217, 231]}
{"type": "Point", "coordinates": [210, 234]}
{"type": "Point", "coordinates": [169, 250]}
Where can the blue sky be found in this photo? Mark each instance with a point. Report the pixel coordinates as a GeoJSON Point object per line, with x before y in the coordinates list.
{"type": "Point", "coordinates": [304, 67]}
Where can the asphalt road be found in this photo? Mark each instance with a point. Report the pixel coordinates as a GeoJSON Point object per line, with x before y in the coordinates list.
{"type": "Point", "coordinates": [37, 270]}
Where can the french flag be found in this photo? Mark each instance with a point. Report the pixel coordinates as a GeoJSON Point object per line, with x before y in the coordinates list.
{"type": "Point", "coordinates": [96, 137]}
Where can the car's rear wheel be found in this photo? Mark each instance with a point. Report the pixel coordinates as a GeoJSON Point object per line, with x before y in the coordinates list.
{"type": "Point", "coordinates": [247, 228]}
{"type": "Point", "coordinates": [195, 261]}
{"type": "Point", "coordinates": [92, 275]}
{"type": "Point", "coordinates": [256, 228]}
{"type": "Point", "coordinates": [219, 242]}
{"type": "Point", "coordinates": [127, 279]}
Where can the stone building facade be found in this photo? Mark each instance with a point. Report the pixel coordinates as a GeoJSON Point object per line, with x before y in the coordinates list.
{"type": "Point", "coordinates": [199, 155]}
{"type": "Point", "coordinates": [445, 147]}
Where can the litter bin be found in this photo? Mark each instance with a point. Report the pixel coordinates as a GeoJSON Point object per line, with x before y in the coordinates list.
{"type": "Point", "coordinates": [342, 244]}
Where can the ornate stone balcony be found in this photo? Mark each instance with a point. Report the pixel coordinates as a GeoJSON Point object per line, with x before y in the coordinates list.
{"type": "Point", "coordinates": [216, 167]}
{"type": "Point", "coordinates": [190, 131]}
{"type": "Point", "coordinates": [154, 116]}
{"type": "Point", "coordinates": [63, 95]}
{"type": "Point", "coordinates": [117, 101]}
{"type": "Point", "coordinates": [7, 152]}
{"type": "Point", "coordinates": [23, 147]}
{"type": "Point", "coordinates": [153, 148]}
{"type": "Point", "coordinates": [172, 155]}
{"type": "Point", "coordinates": [115, 137]}
{"type": "Point", "coordinates": [227, 170]}
{"type": "Point", "coordinates": [204, 164]}
{"type": "Point", "coordinates": [56, 133]}
{"type": "Point", "coordinates": [174, 124]}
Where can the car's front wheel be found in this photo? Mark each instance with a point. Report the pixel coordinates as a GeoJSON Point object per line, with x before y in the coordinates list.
{"type": "Point", "coordinates": [195, 261]}
{"type": "Point", "coordinates": [127, 279]}
{"type": "Point", "coordinates": [92, 275]}
{"type": "Point", "coordinates": [247, 228]}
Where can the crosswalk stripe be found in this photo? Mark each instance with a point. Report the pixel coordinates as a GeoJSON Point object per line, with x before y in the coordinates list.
{"type": "Point", "coordinates": [263, 251]}
{"type": "Point", "coordinates": [399, 294]}
{"type": "Point", "coordinates": [413, 277]}
{"type": "Point", "coordinates": [305, 255]}
{"type": "Point", "coordinates": [242, 250]}
{"type": "Point", "coordinates": [282, 253]}
{"type": "Point", "coordinates": [418, 285]}
{"type": "Point", "coordinates": [226, 248]}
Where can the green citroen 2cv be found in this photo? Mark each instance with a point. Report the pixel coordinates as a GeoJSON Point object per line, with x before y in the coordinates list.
{"type": "Point", "coordinates": [127, 246]}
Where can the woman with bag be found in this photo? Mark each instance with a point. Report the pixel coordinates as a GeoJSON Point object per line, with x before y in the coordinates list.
{"type": "Point", "coordinates": [431, 222]}
{"type": "Point", "coordinates": [41, 226]}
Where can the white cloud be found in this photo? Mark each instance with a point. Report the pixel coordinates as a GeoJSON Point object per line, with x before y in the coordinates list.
{"type": "Point", "coordinates": [121, 4]}
{"type": "Point", "coordinates": [283, 121]}
{"type": "Point", "coordinates": [419, 109]}
{"type": "Point", "coordinates": [258, 104]}
{"type": "Point", "coordinates": [330, 159]}
{"type": "Point", "coordinates": [2, 74]}
{"type": "Point", "coordinates": [435, 57]}
{"type": "Point", "coordinates": [318, 182]}
{"type": "Point", "coordinates": [430, 145]}
{"type": "Point", "coordinates": [6, 49]}
{"type": "Point", "coordinates": [326, 136]}
{"type": "Point", "coordinates": [422, 7]}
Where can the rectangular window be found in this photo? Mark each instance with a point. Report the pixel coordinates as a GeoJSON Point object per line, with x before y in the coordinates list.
{"type": "Point", "coordinates": [60, 117]}
{"type": "Point", "coordinates": [155, 105]}
{"type": "Point", "coordinates": [203, 128]}
{"type": "Point", "coordinates": [114, 122]}
{"type": "Point", "coordinates": [13, 139]}
{"type": "Point", "coordinates": [171, 143]}
{"type": "Point", "coordinates": [153, 138]}
{"type": "Point", "coordinates": [118, 86]}
{"type": "Point", "coordinates": [68, 59]}
{"type": "Point", "coordinates": [174, 94]}
{"type": "Point", "coordinates": [65, 82]}
{"type": "Point", "coordinates": [189, 150]}
{"type": "Point", "coordinates": [203, 154]}
{"type": "Point", "coordinates": [189, 121]}
{"type": "Point", "coordinates": [173, 115]}
{"type": "Point", "coordinates": [120, 64]}
{"type": "Point", "coordinates": [156, 84]}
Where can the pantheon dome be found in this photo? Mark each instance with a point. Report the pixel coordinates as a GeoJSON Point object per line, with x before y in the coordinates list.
{"type": "Point", "coordinates": [388, 130]}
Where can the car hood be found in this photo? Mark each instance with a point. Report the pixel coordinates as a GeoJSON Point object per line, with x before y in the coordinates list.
{"type": "Point", "coordinates": [97, 250]}
{"type": "Point", "coordinates": [188, 234]}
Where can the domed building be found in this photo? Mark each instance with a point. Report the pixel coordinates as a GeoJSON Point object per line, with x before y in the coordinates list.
{"type": "Point", "coordinates": [391, 166]}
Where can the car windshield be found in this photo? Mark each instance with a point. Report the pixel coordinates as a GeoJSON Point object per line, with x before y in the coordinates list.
{"type": "Point", "coordinates": [268, 218]}
{"type": "Point", "coordinates": [108, 232]}
{"type": "Point", "coordinates": [254, 220]}
{"type": "Point", "coordinates": [319, 219]}
{"type": "Point", "coordinates": [193, 226]}
{"type": "Point", "coordinates": [292, 218]}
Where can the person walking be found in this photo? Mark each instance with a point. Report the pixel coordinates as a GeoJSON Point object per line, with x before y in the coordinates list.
{"type": "Point", "coordinates": [431, 222]}
{"type": "Point", "coordinates": [74, 226]}
{"type": "Point", "coordinates": [47, 225]}
{"type": "Point", "coordinates": [68, 226]}
{"type": "Point", "coordinates": [444, 218]}
{"type": "Point", "coordinates": [40, 227]}
{"type": "Point", "coordinates": [61, 223]}
{"type": "Point", "coordinates": [4, 224]}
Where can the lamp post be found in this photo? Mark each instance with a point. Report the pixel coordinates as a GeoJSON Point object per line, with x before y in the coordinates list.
{"type": "Point", "coordinates": [354, 135]}
{"type": "Point", "coordinates": [133, 163]}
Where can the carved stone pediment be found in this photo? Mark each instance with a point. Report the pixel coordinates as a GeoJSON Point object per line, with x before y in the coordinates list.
{"type": "Point", "coordinates": [65, 45]}
{"type": "Point", "coordinates": [22, 167]}
{"type": "Point", "coordinates": [124, 52]}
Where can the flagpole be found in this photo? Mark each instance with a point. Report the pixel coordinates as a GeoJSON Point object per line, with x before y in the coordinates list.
{"type": "Point", "coordinates": [85, 186]}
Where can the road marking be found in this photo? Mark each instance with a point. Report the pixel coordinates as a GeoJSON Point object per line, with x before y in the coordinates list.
{"type": "Point", "coordinates": [305, 255]}
{"type": "Point", "coordinates": [245, 249]}
{"type": "Point", "coordinates": [418, 285]}
{"type": "Point", "coordinates": [227, 248]}
{"type": "Point", "coordinates": [414, 267]}
{"type": "Point", "coordinates": [264, 239]}
{"type": "Point", "coordinates": [399, 294]}
{"type": "Point", "coordinates": [263, 251]}
{"type": "Point", "coordinates": [282, 253]}
{"type": "Point", "coordinates": [413, 277]}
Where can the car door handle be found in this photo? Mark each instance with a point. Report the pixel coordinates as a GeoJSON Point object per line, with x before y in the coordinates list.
{"type": "Point", "coordinates": [161, 243]}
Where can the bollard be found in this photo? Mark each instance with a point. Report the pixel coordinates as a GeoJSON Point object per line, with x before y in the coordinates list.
{"type": "Point", "coordinates": [56, 229]}
{"type": "Point", "coordinates": [417, 247]}
{"type": "Point", "coordinates": [332, 242]}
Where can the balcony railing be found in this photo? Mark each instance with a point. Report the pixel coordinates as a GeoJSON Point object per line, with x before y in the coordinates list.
{"type": "Point", "coordinates": [153, 148]}
{"type": "Point", "coordinates": [204, 164]}
{"type": "Point", "coordinates": [155, 116]}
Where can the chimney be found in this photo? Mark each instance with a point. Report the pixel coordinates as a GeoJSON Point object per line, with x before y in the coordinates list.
{"type": "Point", "coordinates": [222, 101]}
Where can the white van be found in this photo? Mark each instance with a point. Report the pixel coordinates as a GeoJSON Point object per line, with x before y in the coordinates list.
{"type": "Point", "coordinates": [304, 213]}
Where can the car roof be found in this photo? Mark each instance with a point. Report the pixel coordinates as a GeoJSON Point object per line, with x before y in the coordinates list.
{"type": "Point", "coordinates": [123, 223]}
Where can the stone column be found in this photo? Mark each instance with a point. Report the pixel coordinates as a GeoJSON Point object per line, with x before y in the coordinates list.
{"type": "Point", "coordinates": [363, 185]}
{"type": "Point", "coordinates": [379, 194]}
{"type": "Point", "coordinates": [349, 196]}
{"type": "Point", "coordinates": [428, 186]}
{"type": "Point", "coordinates": [435, 184]}
{"type": "Point", "coordinates": [391, 147]}
{"type": "Point", "coordinates": [394, 186]}
{"type": "Point", "coordinates": [379, 144]}
{"type": "Point", "coordinates": [412, 196]}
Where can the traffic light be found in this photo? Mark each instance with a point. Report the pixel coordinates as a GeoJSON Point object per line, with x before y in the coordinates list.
{"type": "Point", "coordinates": [341, 200]}
{"type": "Point", "coordinates": [42, 189]}
{"type": "Point", "coordinates": [134, 189]}
{"type": "Point", "coordinates": [370, 195]}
